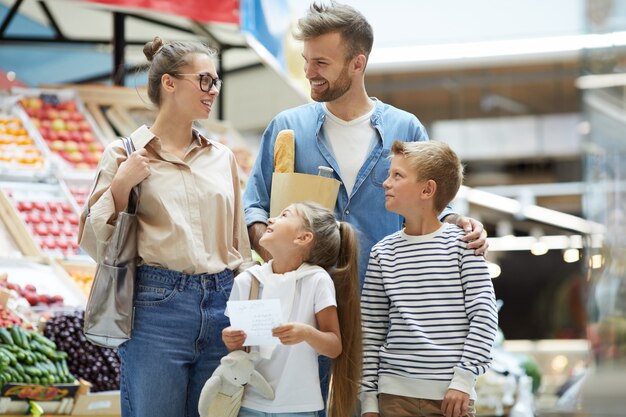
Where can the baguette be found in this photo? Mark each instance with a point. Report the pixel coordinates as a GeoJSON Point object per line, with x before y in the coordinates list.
{"type": "Point", "coordinates": [284, 151]}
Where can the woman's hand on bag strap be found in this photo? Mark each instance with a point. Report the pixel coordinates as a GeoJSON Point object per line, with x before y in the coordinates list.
{"type": "Point", "coordinates": [131, 172]}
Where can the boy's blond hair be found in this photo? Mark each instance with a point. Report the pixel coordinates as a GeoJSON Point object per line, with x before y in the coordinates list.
{"type": "Point", "coordinates": [433, 160]}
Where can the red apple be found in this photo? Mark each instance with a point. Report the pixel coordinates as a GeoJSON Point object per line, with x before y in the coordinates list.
{"type": "Point", "coordinates": [76, 136]}
{"type": "Point", "coordinates": [70, 106]}
{"type": "Point", "coordinates": [84, 126]}
{"type": "Point", "coordinates": [88, 137]}
{"type": "Point", "coordinates": [32, 299]}
{"type": "Point", "coordinates": [54, 230]}
{"type": "Point", "coordinates": [52, 114]}
{"type": "Point", "coordinates": [33, 217]}
{"type": "Point", "coordinates": [66, 207]}
{"type": "Point", "coordinates": [41, 229]}
{"type": "Point", "coordinates": [52, 135]}
{"type": "Point", "coordinates": [24, 205]}
{"type": "Point", "coordinates": [57, 299]}
{"type": "Point", "coordinates": [62, 243]}
{"type": "Point", "coordinates": [50, 243]}
{"type": "Point", "coordinates": [71, 125]}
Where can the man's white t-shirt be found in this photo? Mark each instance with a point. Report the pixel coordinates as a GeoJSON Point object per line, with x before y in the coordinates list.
{"type": "Point", "coordinates": [350, 143]}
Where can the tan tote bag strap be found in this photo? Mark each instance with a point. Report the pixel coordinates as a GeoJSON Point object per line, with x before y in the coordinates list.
{"type": "Point", "coordinates": [254, 288]}
{"type": "Point", "coordinates": [254, 294]}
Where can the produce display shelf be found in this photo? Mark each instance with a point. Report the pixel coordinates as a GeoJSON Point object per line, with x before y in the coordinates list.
{"type": "Point", "coordinates": [73, 138]}
{"type": "Point", "coordinates": [41, 218]}
{"type": "Point", "coordinates": [24, 155]}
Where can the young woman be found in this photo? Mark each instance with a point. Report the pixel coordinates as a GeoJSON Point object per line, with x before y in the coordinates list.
{"type": "Point", "coordinates": [191, 234]}
{"type": "Point", "coordinates": [314, 274]}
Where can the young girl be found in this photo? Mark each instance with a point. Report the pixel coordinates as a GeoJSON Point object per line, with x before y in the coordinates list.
{"type": "Point", "coordinates": [321, 314]}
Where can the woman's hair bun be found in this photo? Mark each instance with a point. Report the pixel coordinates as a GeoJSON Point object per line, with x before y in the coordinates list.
{"type": "Point", "coordinates": [151, 48]}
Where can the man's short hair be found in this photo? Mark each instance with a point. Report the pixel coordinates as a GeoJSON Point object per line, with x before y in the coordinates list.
{"type": "Point", "coordinates": [433, 160]}
{"type": "Point", "coordinates": [354, 29]}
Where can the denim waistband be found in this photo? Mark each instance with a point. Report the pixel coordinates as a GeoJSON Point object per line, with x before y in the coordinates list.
{"type": "Point", "coordinates": [215, 281]}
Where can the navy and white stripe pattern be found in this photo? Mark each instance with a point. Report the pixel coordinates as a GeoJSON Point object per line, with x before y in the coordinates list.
{"type": "Point", "coordinates": [428, 309]}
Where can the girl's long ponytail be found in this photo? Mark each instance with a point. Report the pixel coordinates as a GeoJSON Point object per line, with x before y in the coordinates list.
{"type": "Point", "coordinates": [346, 368]}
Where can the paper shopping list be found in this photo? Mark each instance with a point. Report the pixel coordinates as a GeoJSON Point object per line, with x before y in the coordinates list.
{"type": "Point", "coordinates": [257, 318]}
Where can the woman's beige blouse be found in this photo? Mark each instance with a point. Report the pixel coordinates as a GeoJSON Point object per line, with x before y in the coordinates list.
{"type": "Point", "coordinates": [190, 212]}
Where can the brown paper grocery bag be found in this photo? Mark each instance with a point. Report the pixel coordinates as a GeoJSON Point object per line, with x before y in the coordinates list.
{"type": "Point", "coordinates": [289, 188]}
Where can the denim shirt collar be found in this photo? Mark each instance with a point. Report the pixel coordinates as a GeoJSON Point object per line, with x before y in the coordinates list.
{"type": "Point", "coordinates": [375, 119]}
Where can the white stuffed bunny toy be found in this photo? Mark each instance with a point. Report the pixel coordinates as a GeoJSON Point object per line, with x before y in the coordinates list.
{"type": "Point", "coordinates": [223, 392]}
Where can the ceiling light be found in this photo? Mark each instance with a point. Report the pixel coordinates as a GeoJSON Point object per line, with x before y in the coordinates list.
{"type": "Point", "coordinates": [539, 248]}
{"type": "Point", "coordinates": [571, 255]}
{"type": "Point", "coordinates": [529, 211]}
{"type": "Point", "coordinates": [554, 242]}
{"type": "Point", "coordinates": [479, 53]}
{"type": "Point", "coordinates": [559, 363]}
{"type": "Point", "coordinates": [596, 261]}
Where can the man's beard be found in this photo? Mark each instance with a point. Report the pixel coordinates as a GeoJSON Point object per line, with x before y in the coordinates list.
{"type": "Point", "coordinates": [340, 87]}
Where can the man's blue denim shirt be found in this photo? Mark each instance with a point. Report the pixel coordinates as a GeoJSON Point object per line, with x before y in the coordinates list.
{"type": "Point", "coordinates": [365, 207]}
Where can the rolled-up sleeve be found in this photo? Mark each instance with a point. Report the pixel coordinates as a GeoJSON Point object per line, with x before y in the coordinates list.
{"type": "Point", "coordinates": [240, 231]}
{"type": "Point", "coordinates": [98, 218]}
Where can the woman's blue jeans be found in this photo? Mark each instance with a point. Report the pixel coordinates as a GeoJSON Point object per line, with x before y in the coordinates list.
{"type": "Point", "coordinates": [176, 342]}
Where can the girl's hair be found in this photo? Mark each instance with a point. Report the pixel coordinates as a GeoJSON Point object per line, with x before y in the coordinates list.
{"type": "Point", "coordinates": [168, 58]}
{"type": "Point", "coordinates": [335, 249]}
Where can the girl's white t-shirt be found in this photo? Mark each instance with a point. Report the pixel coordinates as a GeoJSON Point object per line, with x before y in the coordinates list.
{"type": "Point", "coordinates": [293, 370]}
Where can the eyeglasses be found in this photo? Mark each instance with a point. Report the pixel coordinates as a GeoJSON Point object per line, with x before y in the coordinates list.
{"type": "Point", "coordinates": [206, 82]}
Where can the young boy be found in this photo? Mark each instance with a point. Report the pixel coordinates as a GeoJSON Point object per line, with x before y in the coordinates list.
{"type": "Point", "coordinates": [428, 307]}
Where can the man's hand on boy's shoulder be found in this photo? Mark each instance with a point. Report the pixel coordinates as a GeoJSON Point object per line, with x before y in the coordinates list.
{"type": "Point", "coordinates": [455, 403]}
{"type": "Point", "coordinates": [475, 232]}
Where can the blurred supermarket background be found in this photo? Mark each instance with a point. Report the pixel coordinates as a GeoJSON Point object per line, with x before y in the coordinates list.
{"type": "Point", "coordinates": [531, 94]}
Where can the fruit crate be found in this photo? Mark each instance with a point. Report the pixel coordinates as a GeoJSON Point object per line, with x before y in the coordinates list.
{"type": "Point", "coordinates": [68, 130]}
{"type": "Point", "coordinates": [23, 153]}
{"type": "Point", "coordinates": [41, 219]}
{"type": "Point", "coordinates": [14, 406]}
{"type": "Point", "coordinates": [55, 399]}
{"type": "Point", "coordinates": [44, 277]}
{"type": "Point", "coordinates": [81, 272]}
